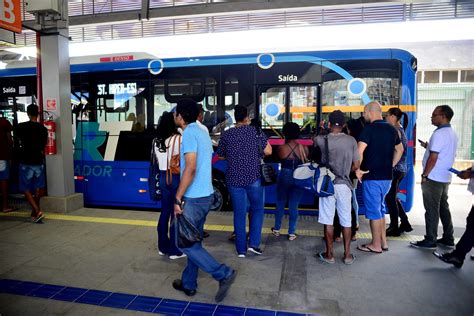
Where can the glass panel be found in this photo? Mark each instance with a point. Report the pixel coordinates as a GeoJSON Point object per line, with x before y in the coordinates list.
{"type": "Point", "coordinates": [185, 87]}
{"type": "Point", "coordinates": [132, 110]}
{"type": "Point", "coordinates": [272, 107]}
{"type": "Point", "coordinates": [431, 77]}
{"type": "Point", "coordinates": [450, 76]}
{"type": "Point", "coordinates": [379, 79]}
{"type": "Point", "coordinates": [467, 75]}
{"type": "Point", "coordinates": [303, 106]}
{"type": "Point", "coordinates": [383, 90]}
{"type": "Point", "coordinates": [160, 104]}
{"type": "Point", "coordinates": [231, 98]}
{"type": "Point", "coordinates": [210, 106]}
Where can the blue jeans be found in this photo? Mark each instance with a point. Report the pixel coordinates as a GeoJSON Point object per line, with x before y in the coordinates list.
{"type": "Point", "coordinates": [286, 191]}
{"type": "Point", "coordinates": [195, 210]}
{"type": "Point", "coordinates": [253, 193]}
{"type": "Point", "coordinates": [167, 245]}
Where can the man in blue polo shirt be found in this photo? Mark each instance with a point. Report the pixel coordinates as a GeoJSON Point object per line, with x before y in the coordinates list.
{"type": "Point", "coordinates": [193, 200]}
{"type": "Point", "coordinates": [380, 149]}
{"type": "Point", "coordinates": [435, 179]}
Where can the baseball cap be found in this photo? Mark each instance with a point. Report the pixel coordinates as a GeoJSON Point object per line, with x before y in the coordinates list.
{"type": "Point", "coordinates": [337, 118]}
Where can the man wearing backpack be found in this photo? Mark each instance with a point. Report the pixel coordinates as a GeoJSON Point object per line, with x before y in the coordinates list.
{"type": "Point", "coordinates": [343, 157]}
{"type": "Point", "coordinates": [380, 149]}
{"type": "Point", "coordinates": [193, 200]}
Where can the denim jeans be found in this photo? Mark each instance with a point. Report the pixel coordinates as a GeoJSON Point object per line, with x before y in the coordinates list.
{"type": "Point", "coordinates": [286, 191]}
{"type": "Point", "coordinates": [195, 210]}
{"type": "Point", "coordinates": [167, 243]}
{"type": "Point", "coordinates": [253, 193]}
{"type": "Point", "coordinates": [435, 201]}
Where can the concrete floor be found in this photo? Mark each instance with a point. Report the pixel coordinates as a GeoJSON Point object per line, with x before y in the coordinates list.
{"type": "Point", "coordinates": [89, 249]}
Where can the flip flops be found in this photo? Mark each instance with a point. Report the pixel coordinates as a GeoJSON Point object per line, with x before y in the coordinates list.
{"type": "Point", "coordinates": [9, 209]}
{"type": "Point", "coordinates": [38, 218]}
{"type": "Point", "coordinates": [365, 248]}
{"type": "Point", "coordinates": [292, 237]}
{"type": "Point", "coordinates": [325, 260]}
{"type": "Point", "coordinates": [275, 232]}
{"type": "Point", "coordinates": [350, 260]}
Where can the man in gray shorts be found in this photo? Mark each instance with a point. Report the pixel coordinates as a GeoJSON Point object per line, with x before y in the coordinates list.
{"type": "Point", "coordinates": [343, 157]}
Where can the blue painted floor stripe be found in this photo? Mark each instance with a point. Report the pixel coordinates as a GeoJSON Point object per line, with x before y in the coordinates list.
{"type": "Point", "coordinates": [129, 301]}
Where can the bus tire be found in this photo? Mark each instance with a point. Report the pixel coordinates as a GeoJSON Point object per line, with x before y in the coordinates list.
{"type": "Point", "coordinates": [220, 201]}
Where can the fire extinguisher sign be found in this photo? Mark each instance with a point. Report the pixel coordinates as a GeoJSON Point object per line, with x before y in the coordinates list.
{"type": "Point", "coordinates": [51, 105]}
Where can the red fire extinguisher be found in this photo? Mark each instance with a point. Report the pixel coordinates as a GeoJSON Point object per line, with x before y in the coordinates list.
{"type": "Point", "coordinates": [50, 148]}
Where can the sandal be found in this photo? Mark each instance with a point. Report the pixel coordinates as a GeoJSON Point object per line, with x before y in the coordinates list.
{"type": "Point", "coordinates": [350, 260]}
{"type": "Point", "coordinates": [275, 232]}
{"type": "Point", "coordinates": [8, 209]}
{"type": "Point", "coordinates": [292, 237]}
{"type": "Point", "coordinates": [324, 259]}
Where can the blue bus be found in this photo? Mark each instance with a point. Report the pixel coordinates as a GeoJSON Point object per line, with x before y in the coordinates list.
{"type": "Point", "coordinates": [116, 107]}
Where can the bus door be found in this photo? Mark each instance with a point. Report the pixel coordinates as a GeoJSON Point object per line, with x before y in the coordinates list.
{"type": "Point", "coordinates": [279, 104]}
{"type": "Point", "coordinates": [14, 98]}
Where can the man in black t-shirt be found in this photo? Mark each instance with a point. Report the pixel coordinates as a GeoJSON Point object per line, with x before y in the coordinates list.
{"type": "Point", "coordinates": [380, 149]}
{"type": "Point", "coordinates": [32, 138]}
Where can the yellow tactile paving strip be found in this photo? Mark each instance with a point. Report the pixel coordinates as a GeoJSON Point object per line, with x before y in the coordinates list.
{"type": "Point", "coordinates": [209, 227]}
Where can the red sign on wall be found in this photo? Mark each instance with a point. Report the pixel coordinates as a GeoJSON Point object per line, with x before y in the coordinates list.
{"type": "Point", "coordinates": [51, 105]}
{"type": "Point", "coordinates": [116, 58]}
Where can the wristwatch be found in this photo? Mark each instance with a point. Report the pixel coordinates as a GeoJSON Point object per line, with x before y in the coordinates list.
{"type": "Point", "coordinates": [424, 176]}
{"type": "Point", "coordinates": [178, 202]}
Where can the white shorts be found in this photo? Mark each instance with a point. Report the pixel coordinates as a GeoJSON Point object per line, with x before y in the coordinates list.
{"type": "Point", "coordinates": [342, 201]}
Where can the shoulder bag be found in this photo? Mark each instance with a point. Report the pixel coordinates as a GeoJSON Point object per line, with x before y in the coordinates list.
{"type": "Point", "coordinates": [174, 161]}
{"type": "Point", "coordinates": [268, 173]}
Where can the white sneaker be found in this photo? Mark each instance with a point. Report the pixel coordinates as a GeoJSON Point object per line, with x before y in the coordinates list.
{"type": "Point", "coordinates": [174, 257]}
{"type": "Point", "coordinates": [160, 253]}
{"type": "Point", "coordinates": [241, 255]}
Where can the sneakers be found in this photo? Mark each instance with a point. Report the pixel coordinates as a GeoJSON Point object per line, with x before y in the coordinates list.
{"type": "Point", "coordinates": [393, 232]}
{"type": "Point", "coordinates": [241, 255]}
{"type": "Point", "coordinates": [255, 250]}
{"type": "Point", "coordinates": [161, 253]}
{"type": "Point", "coordinates": [178, 285]}
{"type": "Point", "coordinates": [449, 257]}
{"type": "Point", "coordinates": [174, 257]}
{"type": "Point", "coordinates": [443, 242]}
{"type": "Point", "coordinates": [224, 286]}
{"type": "Point", "coordinates": [423, 244]}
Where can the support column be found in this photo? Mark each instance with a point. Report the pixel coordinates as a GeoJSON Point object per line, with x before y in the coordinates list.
{"type": "Point", "coordinates": [57, 101]}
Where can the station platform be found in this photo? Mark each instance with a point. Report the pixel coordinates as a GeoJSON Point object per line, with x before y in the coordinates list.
{"type": "Point", "coordinates": [104, 262]}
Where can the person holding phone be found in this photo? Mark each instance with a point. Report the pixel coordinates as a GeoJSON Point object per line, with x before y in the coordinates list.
{"type": "Point", "coordinates": [436, 177]}
{"type": "Point", "coordinates": [465, 244]}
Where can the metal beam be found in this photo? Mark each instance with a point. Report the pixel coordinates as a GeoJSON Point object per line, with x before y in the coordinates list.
{"type": "Point", "coordinates": [145, 9]}
{"type": "Point", "coordinates": [222, 8]}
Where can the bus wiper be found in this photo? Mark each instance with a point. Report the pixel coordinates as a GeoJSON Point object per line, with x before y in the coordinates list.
{"type": "Point", "coordinates": [272, 128]}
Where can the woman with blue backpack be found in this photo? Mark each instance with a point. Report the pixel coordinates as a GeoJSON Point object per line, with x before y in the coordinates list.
{"type": "Point", "coordinates": [291, 155]}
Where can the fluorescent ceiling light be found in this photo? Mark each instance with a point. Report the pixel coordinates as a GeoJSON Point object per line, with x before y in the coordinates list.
{"type": "Point", "coordinates": [281, 39]}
